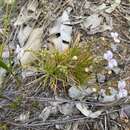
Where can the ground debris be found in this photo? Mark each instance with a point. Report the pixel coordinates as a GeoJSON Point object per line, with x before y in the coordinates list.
{"type": "Point", "coordinates": [27, 99]}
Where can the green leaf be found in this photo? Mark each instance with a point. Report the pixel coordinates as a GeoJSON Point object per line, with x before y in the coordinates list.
{"type": "Point", "coordinates": [1, 49]}
{"type": "Point", "coordinates": [3, 65]}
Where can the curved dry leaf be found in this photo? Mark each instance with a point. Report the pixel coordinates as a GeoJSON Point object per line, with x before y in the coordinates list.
{"type": "Point", "coordinates": [34, 44]}
{"type": "Point", "coordinates": [83, 108]}
{"type": "Point", "coordinates": [32, 6]}
{"type": "Point", "coordinates": [62, 27]}
{"type": "Point", "coordinates": [115, 4]}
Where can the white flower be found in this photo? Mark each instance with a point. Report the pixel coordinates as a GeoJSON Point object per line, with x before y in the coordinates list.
{"type": "Point", "coordinates": [112, 63]}
{"type": "Point", "coordinates": [115, 36]}
{"type": "Point", "coordinates": [86, 69]}
{"type": "Point", "coordinates": [123, 93]}
{"type": "Point", "coordinates": [74, 58]}
{"type": "Point", "coordinates": [94, 89]}
{"type": "Point", "coordinates": [121, 84]}
{"type": "Point", "coordinates": [108, 55]}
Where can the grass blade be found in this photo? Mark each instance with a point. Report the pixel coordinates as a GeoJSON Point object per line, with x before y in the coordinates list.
{"type": "Point", "coordinates": [3, 65]}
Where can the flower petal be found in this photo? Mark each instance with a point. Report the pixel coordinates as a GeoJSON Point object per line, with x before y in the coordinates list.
{"type": "Point", "coordinates": [112, 63]}
{"type": "Point", "coordinates": [123, 93]}
{"type": "Point", "coordinates": [117, 40]}
{"type": "Point", "coordinates": [121, 84]}
{"type": "Point", "coordinates": [108, 55]}
{"type": "Point", "coordinates": [112, 34]}
{"type": "Point", "coordinates": [115, 35]}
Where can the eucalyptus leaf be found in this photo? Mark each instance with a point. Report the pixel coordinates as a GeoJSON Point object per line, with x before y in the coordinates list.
{"type": "Point", "coordinates": [33, 44]}
{"type": "Point", "coordinates": [62, 27]}
{"type": "Point", "coordinates": [113, 6]}
{"type": "Point", "coordinates": [83, 108]}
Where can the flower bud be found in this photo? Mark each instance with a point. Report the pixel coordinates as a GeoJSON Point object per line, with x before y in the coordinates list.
{"type": "Point", "coordinates": [86, 69]}
{"type": "Point", "coordinates": [74, 58]}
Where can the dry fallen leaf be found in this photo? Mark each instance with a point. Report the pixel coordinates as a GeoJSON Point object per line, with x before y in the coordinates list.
{"type": "Point", "coordinates": [25, 16]}
{"type": "Point", "coordinates": [66, 109]}
{"type": "Point", "coordinates": [63, 28]}
{"type": "Point", "coordinates": [92, 21]}
{"type": "Point", "coordinates": [24, 34]}
{"type": "Point", "coordinates": [47, 111]}
{"type": "Point", "coordinates": [23, 117]}
{"type": "Point", "coordinates": [113, 6]}
{"type": "Point", "coordinates": [83, 108]}
{"type": "Point", "coordinates": [95, 23]}
{"type": "Point", "coordinates": [34, 44]}
{"type": "Point", "coordinates": [2, 76]}
{"type": "Point", "coordinates": [32, 6]}
{"type": "Point", "coordinates": [58, 44]}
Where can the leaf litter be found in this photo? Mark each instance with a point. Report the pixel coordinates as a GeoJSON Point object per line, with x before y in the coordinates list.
{"type": "Point", "coordinates": [50, 25]}
{"type": "Point", "coordinates": [64, 29]}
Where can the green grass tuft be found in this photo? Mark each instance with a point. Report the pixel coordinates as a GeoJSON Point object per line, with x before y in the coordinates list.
{"type": "Point", "coordinates": [63, 69]}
